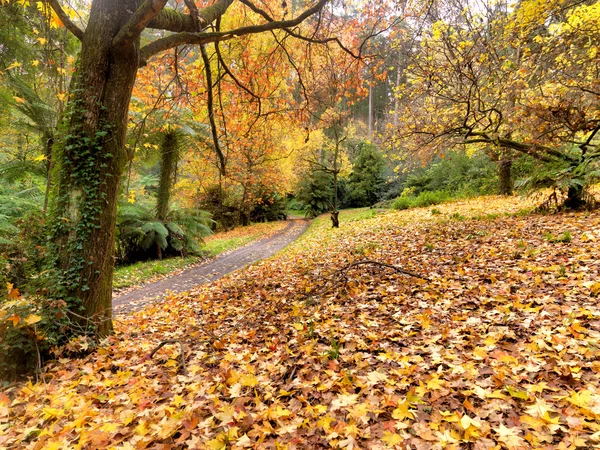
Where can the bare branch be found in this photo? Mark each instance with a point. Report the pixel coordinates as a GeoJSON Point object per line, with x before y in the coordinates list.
{"type": "Point", "coordinates": [138, 21]}
{"type": "Point", "coordinates": [312, 40]}
{"type": "Point", "coordinates": [211, 110]}
{"type": "Point", "coordinates": [208, 15]}
{"type": "Point", "coordinates": [64, 18]}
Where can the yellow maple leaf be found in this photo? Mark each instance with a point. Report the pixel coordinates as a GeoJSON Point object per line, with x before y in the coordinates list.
{"type": "Point", "coordinates": [248, 380]}
{"type": "Point", "coordinates": [33, 318]}
{"type": "Point", "coordinates": [278, 412]}
{"type": "Point", "coordinates": [510, 436]}
{"type": "Point", "coordinates": [466, 422]}
{"type": "Point", "coordinates": [403, 412]}
{"type": "Point", "coordinates": [343, 400]}
{"type": "Point", "coordinates": [435, 383]}
{"type": "Point", "coordinates": [19, 99]}
{"type": "Point", "coordinates": [391, 439]}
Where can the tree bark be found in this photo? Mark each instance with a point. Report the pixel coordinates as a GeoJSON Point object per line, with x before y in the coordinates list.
{"type": "Point", "coordinates": [505, 186]}
{"type": "Point", "coordinates": [89, 164]}
{"type": "Point", "coordinates": [168, 164]}
{"type": "Point", "coordinates": [335, 219]}
{"type": "Point", "coordinates": [575, 198]}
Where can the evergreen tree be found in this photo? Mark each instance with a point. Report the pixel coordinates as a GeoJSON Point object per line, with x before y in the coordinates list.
{"type": "Point", "coordinates": [367, 178]}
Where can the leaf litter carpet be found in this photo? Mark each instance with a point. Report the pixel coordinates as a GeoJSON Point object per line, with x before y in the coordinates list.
{"type": "Point", "coordinates": [497, 350]}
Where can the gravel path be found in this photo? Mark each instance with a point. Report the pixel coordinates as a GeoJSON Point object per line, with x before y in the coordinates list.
{"type": "Point", "coordinates": [210, 271]}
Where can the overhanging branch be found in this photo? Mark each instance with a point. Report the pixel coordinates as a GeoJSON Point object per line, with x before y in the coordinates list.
{"type": "Point", "coordinates": [211, 13]}
{"type": "Point", "coordinates": [138, 21]}
{"type": "Point", "coordinates": [64, 18]}
{"type": "Point", "coordinates": [170, 20]}
{"type": "Point", "coordinates": [292, 33]}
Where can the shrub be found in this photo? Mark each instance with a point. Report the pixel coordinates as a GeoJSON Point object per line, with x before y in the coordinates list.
{"type": "Point", "coordinates": [316, 192]}
{"type": "Point", "coordinates": [140, 236]}
{"type": "Point", "coordinates": [367, 179]}
{"type": "Point", "coordinates": [270, 207]}
{"type": "Point", "coordinates": [457, 173]}
{"type": "Point", "coordinates": [29, 329]}
{"type": "Point", "coordinates": [569, 183]}
{"type": "Point", "coordinates": [426, 198]}
{"type": "Point", "coordinates": [403, 203]}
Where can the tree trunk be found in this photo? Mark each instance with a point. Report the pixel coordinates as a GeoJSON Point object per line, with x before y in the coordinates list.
{"type": "Point", "coordinates": [88, 164]}
{"type": "Point", "coordinates": [574, 198]}
{"type": "Point", "coordinates": [48, 154]}
{"type": "Point", "coordinates": [335, 219]}
{"type": "Point", "coordinates": [169, 156]}
{"type": "Point", "coordinates": [505, 186]}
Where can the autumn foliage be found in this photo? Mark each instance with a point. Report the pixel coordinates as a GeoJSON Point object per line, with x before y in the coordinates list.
{"type": "Point", "coordinates": [498, 348]}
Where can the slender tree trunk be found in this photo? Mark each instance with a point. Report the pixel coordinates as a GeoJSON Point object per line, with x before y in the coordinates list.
{"type": "Point", "coordinates": [49, 165]}
{"type": "Point", "coordinates": [168, 164]}
{"type": "Point", "coordinates": [335, 220]}
{"type": "Point", "coordinates": [370, 112]}
{"type": "Point", "coordinates": [505, 186]}
{"type": "Point", "coordinates": [396, 96]}
{"type": "Point", "coordinates": [88, 165]}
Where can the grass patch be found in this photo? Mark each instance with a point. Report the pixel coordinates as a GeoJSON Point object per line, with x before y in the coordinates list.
{"type": "Point", "coordinates": [296, 212]}
{"type": "Point", "coordinates": [217, 246]}
{"type": "Point", "coordinates": [142, 271]}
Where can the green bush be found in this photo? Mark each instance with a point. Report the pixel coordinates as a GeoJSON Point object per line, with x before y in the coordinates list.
{"type": "Point", "coordinates": [425, 198]}
{"type": "Point", "coordinates": [428, 198]}
{"type": "Point", "coordinates": [403, 203]}
{"type": "Point", "coordinates": [570, 183]}
{"type": "Point", "coordinates": [458, 174]}
{"type": "Point", "coordinates": [140, 236]}
{"type": "Point", "coordinates": [316, 192]}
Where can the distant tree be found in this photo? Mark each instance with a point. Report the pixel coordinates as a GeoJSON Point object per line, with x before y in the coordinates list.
{"type": "Point", "coordinates": [367, 178]}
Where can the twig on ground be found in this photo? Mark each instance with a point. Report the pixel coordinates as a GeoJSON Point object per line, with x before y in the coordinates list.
{"type": "Point", "coordinates": [329, 283]}
{"type": "Point", "coordinates": [181, 352]}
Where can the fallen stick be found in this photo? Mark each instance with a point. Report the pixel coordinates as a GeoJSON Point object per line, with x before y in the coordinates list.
{"type": "Point", "coordinates": [170, 341]}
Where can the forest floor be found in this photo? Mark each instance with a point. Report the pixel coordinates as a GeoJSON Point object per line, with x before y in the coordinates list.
{"type": "Point", "coordinates": [207, 271]}
{"type": "Point", "coordinates": [494, 344]}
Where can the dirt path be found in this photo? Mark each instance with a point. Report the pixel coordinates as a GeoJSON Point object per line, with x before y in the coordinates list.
{"type": "Point", "coordinates": [210, 271]}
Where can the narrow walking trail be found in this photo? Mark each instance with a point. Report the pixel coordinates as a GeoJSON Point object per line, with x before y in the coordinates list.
{"type": "Point", "coordinates": [209, 271]}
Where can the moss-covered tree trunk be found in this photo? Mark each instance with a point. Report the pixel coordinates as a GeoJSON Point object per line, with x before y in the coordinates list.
{"type": "Point", "coordinates": [88, 165]}
{"type": "Point", "coordinates": [168, 164]}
